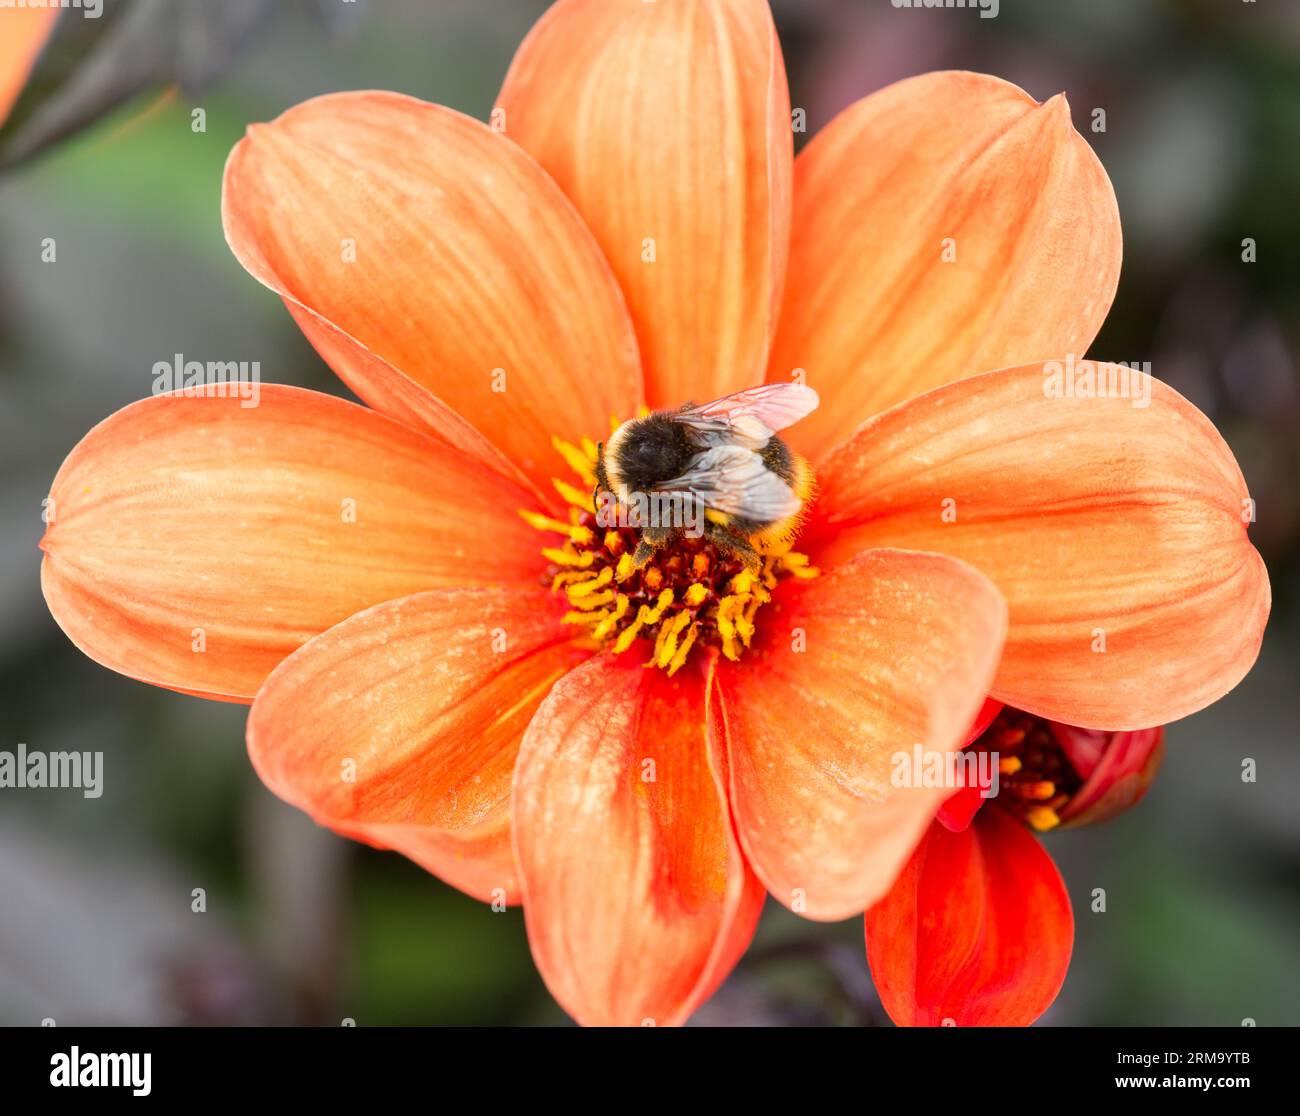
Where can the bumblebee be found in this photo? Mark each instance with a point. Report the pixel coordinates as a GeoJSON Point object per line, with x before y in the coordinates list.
{"type": "Point", "coordinates": [720, 461]}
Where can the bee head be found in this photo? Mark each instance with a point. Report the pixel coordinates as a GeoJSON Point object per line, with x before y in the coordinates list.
{"type": "Point", "coordinates": [647, 451]}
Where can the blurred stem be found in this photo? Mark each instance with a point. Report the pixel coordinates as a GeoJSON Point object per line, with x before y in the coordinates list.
{"type": "Point", "coordinates": [298, 873]}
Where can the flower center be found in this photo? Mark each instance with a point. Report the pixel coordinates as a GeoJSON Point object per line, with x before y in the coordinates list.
{"type": "Point", "coordinates": [690, 593]}
{"type": "Point", "coordinates": [1035, 775]}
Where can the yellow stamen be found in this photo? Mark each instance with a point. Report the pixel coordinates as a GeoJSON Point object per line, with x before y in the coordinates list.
{"type": "Point", "coordinates": [545, 522]}
{"type": "Point", "coordinates": [679, 659]}
{"type": "Point", "coordinates": [607, 625]}
{"type": "Point", "coordinates": [598, 582]}
{"type": "Point", "coordinates": [1042, 818]}
{"type": "Point", "coordinates": [577, 459]}
{"type": "Point", "coordinates": [583, 617]}
{"type": "Point", "coordinates": [578, 497]}
{"type": "Point", "coordinates": [672, 631]}
{"type": "Point", "coordinates": [629, 635]}
{"type": "Point", "coordinates": [652, 615]}
{"type": "Point", "coordinates": [596, 600]}
{"type": "Point", "coordinates": [742, 583]}
{"type": "Point", "coordinates": [568, 557]}
{"type": "Point", "coordinates": [1040, 791]}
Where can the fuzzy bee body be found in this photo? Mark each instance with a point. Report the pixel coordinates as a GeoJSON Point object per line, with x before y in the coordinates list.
{"type": "Point", "coordinates": [726, 459]}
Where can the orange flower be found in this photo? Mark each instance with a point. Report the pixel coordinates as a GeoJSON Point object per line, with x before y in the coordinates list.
{"type": "Point", "coordinates": [23, 33]}
{"type": "Point", "coordinates": [641, 234]}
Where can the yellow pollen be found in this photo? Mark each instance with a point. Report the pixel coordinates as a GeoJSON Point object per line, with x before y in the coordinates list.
{"type": "Point", "coordinates": [691, 592]}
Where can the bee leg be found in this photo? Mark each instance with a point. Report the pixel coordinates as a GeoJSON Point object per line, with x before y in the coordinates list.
{"type": "Point", "coordinates": [736, 545]}
{"type": "Point", "coordinates": [652, 538]}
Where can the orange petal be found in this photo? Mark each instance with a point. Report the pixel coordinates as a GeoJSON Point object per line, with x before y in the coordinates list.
{"type": "Point", "coordinates": [1105, 525]}
{"type": "Point", "coordinates": [637, 898]}
{"type": "Point", "coordinates": [401, 725]}
{"type": "Point", "coordinates": [470, 274]}
{"type": "Point", "coordinates": [873, 313]}
{"type": "Point", "coordinates": [195, 543]}
{"type": "Point", "coordinates": [977, 930]}
{"type": "Point", "coordinates": [889, 652]}
{"type": "Point", "coordinates": [23, 34]}
{"type": "Point", "coordinates": [668, 124]}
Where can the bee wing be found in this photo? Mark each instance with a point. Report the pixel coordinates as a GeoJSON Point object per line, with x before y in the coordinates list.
{"type": "Point", "coordinates": [752, 416]}
{"type": "Point", "coordinates": [734, 480]}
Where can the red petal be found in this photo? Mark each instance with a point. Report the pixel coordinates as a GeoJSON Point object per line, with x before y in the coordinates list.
{"type": "Point", "coordinates": [1116, 773]}
{"type": "Point", "coordinates": [962, 805]}
{"type": "Point", "coordinates": [977, 930]}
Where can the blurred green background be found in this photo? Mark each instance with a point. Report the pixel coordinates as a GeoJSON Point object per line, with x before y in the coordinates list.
{"type": "Point", "coordinates": [1203, 146]}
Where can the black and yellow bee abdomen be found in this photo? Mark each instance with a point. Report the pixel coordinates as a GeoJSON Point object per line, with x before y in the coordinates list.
{"type": "Point", "coordinates": [798, 474]}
